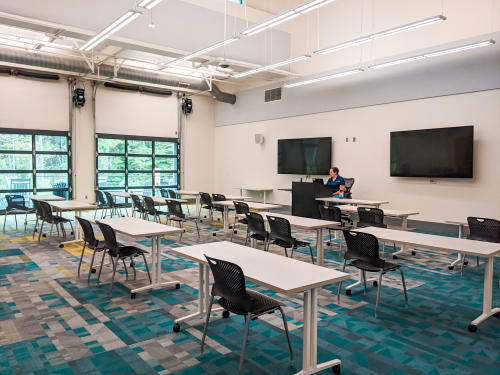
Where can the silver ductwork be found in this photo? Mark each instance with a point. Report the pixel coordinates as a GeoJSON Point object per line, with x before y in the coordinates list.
{"type": "Point", "coordinates": [106, 71]}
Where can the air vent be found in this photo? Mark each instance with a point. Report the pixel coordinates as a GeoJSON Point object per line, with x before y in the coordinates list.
{"type": "Point", "coordinates": [272, 95]}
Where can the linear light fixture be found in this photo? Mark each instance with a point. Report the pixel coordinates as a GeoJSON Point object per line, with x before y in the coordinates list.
{"type": "Point", "coordinates": [272, 66]}
{"type": "Point", "coordinates": [287, 16]}
{"type": "Point", "coordinates": [110, 30]}
{"type": "Point", "coordinates": [203, 51]}
{"type": "Point", "coordinates": [325, 78]}
{"type": "Point", "coordinates": [149, 4]}
{"type": "Point", "coordinates": [435, 54]}
{"type": "Point", "coordinates": [34, 41]}
{"type": "Point", "coordinates": [209, 72]}
{"type": "Point", "coordinates": [382, 34]}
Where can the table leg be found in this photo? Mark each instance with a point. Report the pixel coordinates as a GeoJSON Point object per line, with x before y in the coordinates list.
{"type": "Point", "coordinates": [225, 218]}
{"type": "Point", "coordinates": [155, 270]}
{"type": "Point", "coordinates": [310, 337]}
{"type": "Point", "coordinates": [404, 226]}
{"type": "Point", "coordinates": [459, 256]}
{"type": "Point", "coordinates": [487, 297]}
{"type": "Point", "coordinates": [319, 246]}
{"type": "Point", "coordinates": [76, 229]}
{"type": "Point", "coordinates": [198, 205]}
{"type": "Point", "coordinates": [265, 200]}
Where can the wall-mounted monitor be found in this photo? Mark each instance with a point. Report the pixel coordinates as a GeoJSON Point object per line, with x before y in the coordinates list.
{"type": "Point", "coordinates": [308, 156]}
{"type": "Point", "coordinates": [440, 152]}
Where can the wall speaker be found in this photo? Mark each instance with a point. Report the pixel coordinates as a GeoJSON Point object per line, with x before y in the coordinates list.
{"type": "Point", "coordinates": [79, 97]}
{"type": "Point", "coordinates": [259, 139]}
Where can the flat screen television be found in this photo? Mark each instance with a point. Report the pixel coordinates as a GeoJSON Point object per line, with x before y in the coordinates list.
{"type": "Point", "coordinates": [440, 152]}
{"type": "Point", "coordinates": [308, 156]}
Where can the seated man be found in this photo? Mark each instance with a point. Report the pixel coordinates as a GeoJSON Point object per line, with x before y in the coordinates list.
{"type": "Point", "coordinates": [336, 182]}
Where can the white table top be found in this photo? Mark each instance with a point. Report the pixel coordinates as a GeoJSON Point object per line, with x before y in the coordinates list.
{"type": "Point", "coordinates": [261, 267]}
{"type": "Point", "coordinates": [187, 192]}
{"type": "Point", "coordinates": [135, 227]}
{"type": "Point", "coordinates": [457, 222]}
{"type": "Point", "coordinates": [352, 201]}
{"type": "Point", "coordinates": [72, 205]}
{"type": "Point", "coordinates": [387, 211]}
{"type": "Point", "coordinates": [255, 206]}
{"type": "Point", "coordinates": [302, 222]}
{"type": "Point", "coordinates": [163, 200]}
{"type": "Point", "coordinates": [46, 198]}
{"type": "Point", "coordinates": [230, 197]}
{"type": "Point", "coordinates": [122, 194]}
{"type": "Point", "coordinates": [434, 242]}
{"type": "Point", "coordinates": [254, 188]}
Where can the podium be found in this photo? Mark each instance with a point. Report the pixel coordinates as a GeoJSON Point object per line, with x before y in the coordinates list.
{"type": "Point", "coordinates": [304, 196]}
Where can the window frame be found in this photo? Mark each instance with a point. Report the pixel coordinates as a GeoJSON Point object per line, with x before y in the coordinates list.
{"type": "Point", "coordinates": [126, 155]}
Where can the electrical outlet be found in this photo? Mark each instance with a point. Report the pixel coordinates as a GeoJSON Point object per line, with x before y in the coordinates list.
{"type": "Point", "coordinates": [347, 139]}
{"type": "Point", "coordinates": [354, 139]}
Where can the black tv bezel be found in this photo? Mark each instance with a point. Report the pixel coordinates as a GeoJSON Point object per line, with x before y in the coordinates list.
{"type": "Point", "coordinates": [432, 176]}
{"type": "Point", "coordinates": [289, 139]}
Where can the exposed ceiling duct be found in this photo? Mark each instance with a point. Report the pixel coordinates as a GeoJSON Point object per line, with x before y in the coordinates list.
{"type": "Point", "coordinates": [107, 72]}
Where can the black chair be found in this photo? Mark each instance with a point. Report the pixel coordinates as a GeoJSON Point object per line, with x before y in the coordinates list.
{"type": "Point", "coordinates": [256, 228]}
{"type": "Point", "coordinates": [138, 206]}
{"type": "Point", "coordinates": [482, 229]}
{"type": "Point", "coordinates": [348, 186]}
{"type": "Point", "coordinates": [333, 213]}
{"type": "Point", "coordinates": [101, 204]}
{"type": "Point", "coordinates": [176, 215]}
{"type": "Point", "coordinates": [281, 235]}
{"type": "Point", "coordinates": [89, 242]}
{"type": "Point", "coordinates": [38, 215]}
{"type": "Point", "coordinates": [151, 210]}
{"type": "Point", "coordinates": [207, 204]}
{"type": "Point", "coordinates": [16, 205]}
{"type": "Point", "coordinates": [370, 217]}
{"type": "Point", "coordinates": [49, 218]}
{"type": "Point", "coordinates": [219, 197]}
{"type": "Point", "coordinates": [241, 209]}
{"type": "Point", "coordinates": [171, 194]}
{"type": "Point", "coordinates": [229, 286]}
{"type": "Point", "coordinates": [116, 208]}
{"type": "Point", "coordinates": [363, 252]}
{"type": "Point", "coordinates": [164, 193]}
{"type": "Point", "coordinates": [114, 250]}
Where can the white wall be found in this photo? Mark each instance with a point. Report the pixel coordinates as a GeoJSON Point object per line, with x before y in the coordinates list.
{"type": "Point", "coordinates": [240, 161]}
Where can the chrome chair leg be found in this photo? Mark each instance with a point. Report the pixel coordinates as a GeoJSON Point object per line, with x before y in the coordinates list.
{"type": "Point", "coordinates": [245, 338]}
{"type": "Point", "coordinates": [340, 284]}
{"type": "Point", "coordinates": [81, 258]}
{"type": "Point", "coordinates": [287, 334]}
{"type": "Point", "coordinates": [404, 286]}
{"type": "Point", "coordinates": [207, 320]}
{"type": "Point", "coordinates": [378, 291]}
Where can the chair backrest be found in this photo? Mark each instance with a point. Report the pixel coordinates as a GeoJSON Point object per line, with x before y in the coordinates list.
{"type": "Point", "coordinates": [241, 207]}
{"type": "Point", "coordinates": [46, 210]}
{"type": "Point", "coordinates": [15, 201]}
{"type": "Point", "coordinates": [280, 229]}
{"type": "Point", "coordinates": [109, 199]}
{"type": "Point", "coordinates": [229, 283]}
{"type": "Point", "coordinates": [38, 209]}
{"type": "Point", "coordinates": [109, 236]}
{"type": "Point", "coordinates": [363, 246]}
{"type": "Point", "coordinates": [88, 232]}
{"type": "Point", "coordinates": [330, 213]}
{"type": "Point", "coordinates": [164, 193]}
{"type": "Point", "coordinates": [348, 186]}
{"type": "Point", "coordinates": [149, 205]}
{"type": "Point", "coordinates": [371, 216]}
{"type": "Point", "coordinates": [172, 194]}
{"type": "Point", "coordinates": [256, 223]}
{"type": "Point", "coordinates": [484, 228]}
{"type": "Point", "coordinates": [175, 208]}
{"type": "Point", "coordinates": [137, 202]}
{"type": "Point", "coordinates": [218, 197]}
{"type": "Point", "coordinates": [206, 199]}
{"type": "Point", "coordinates": [101, 201]}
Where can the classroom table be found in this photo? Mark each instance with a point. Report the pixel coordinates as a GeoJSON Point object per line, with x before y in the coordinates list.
{"type": "Point", "coordinates": [71, 205]}
{"type": "Point", "coordinates": [361, 202]}
{"type": "Point", "coordinates": [450, 245]}
{"type": "Point", "coordinates": [253, 206]}
{"type": "Point", "coordinates": [260, 268]}
{"type": "Point", "coordinates": [262, 190]}
{"type": "Point", "coordinates": [134, 227]}
{"type": "Point", "coordinates": [190, 193]}
{"type": "Point", "coordinates": [461, 226]}
{"type": "Point", "coordinates": [308, 224]}
{"type": "Point", "coordinates": [46, 197]}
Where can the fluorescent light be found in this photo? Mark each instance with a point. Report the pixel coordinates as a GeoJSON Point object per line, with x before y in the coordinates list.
{"type": "Point", "coordinates": [460, 49]}
{"type": "Point", "coordinates": [272, 66]}
{"type": "Point", "coordinates": [331, 76]}
{"type": "Point", "coordinates": [201, 71]}
{"type": "Point", "coordinates": [148, 4]}
{"type": "Point", "coordinates": [303, 9]}
{"type": "Point", "coordinates": [110, 30]}
{"type": "Point", "coordinates": [410, 26]}
{"type": "Point", "coordinates": [34, 41]}
{"type": "Point", "coordinates": [340, 46]}
{"type": "Point", "coordinates": [397, 62]}
{"type": "Point", "coordinates": [270, 23]}
{"type": "Point", "coordinates": [203, 51]}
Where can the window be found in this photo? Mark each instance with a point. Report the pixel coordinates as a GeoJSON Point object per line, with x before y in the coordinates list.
{"type": "Point", "coordinates": [34, 162]}
{"type": "Point", "coordinates": [136, 164]}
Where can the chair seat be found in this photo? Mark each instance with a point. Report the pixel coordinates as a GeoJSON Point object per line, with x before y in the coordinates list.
{"type": "Point", "coordinates": [158, 212]}
{"type": "Point", "coordinates": [259, 304]}
{"type": "Point", "coordinates": [481, 238]}
{"type": "Point", "coordinates": [60, 219]}
{"type": "Point", "coordinates": [258, 237]}
{"type": "Point", "coordinates": [365, 266]}
{"type": "Point", "coordinates": [282, 243]}
{"type": "Point", "coordinates": [243, 221]}
{"type": "Point", "coordinates": [364, 225]}
{"type": "Point", "coordinates": [18, 210]}
{"type": "Point", "coordinates": [128, 251]}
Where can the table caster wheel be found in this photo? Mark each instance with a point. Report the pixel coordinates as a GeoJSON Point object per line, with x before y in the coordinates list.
{"type": "Point", "coordinates": [72, 233]}
{"type": "Point", "coordinates": [413, 252]}
{"type": "Point", "coordinates": [472, 328]}
{"type": "Point", "coordinates": [328, 244]}
{"type": "Point", "coordinates": [235, 232]}
{"type": "Point", "coordinates": [93, 270]}
{"type": "Point", "coordinates": [336, 369]}
{"type": "Point", "coordinates": [375, 283]}
{"type": "Point", "coordinates": [451, 267]}
{"type": "Point", "coordinates": [177, 327]}
{"type": "Point", "coordinates": [177, 286]}
{"type": "Point", "coordinates": [214, 234]}
{"type": "Point", "coordinates": [132, 264]}
{"type": "Point", "coordinates": [44, 235]}
{"type": "Point", "coordinates": [466, 262]}
{"type": "Point", "coordinates": [497, 315]}
{"type": "Point", "coordinates": [225, 314]}
{"type": "Point", "coordinates": [133, 295]}
{"type": "Point", "coordinates": [230, 227]}
{"type": "Point", "coordinates": [394, 257]}
{"type": "Point", "coordinates": [348, 292]}
{"type": "Point", "coordinates": [61, 246]}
